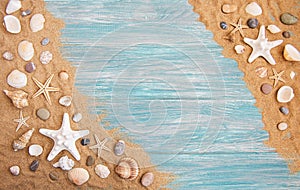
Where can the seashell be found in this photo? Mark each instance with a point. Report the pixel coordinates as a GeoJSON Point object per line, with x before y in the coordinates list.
{"type": "Point", "coordinates": [37, 22]}
{"type": "Point", "coordinates": [12, 24]}
{"type": "Point", "coordinates": [13, 6]}
{"type": "Point", "coordinates": [64, 163]}
{"type": "Point", "coordinates": [147, 179]}
{"type": "Point", "coordinates": [78, 176]}
{"type": "Point", "coordinates": [239, 49]}
{"type": "Point", "coordinates": [8, 56]}
{"type": "Point", "coordinates": [273, 29]}
{"type": "Point", "coordinates": [46, 57]}
{"type": "Point", "coordinates": [26, 50]}
{"type": "Point", "coordinates": [290, 53]}
{"type": "Point", "coordinates": [292, 75]}
{"type": "Point", "coordinates": [65, 101]}
{"type": "Point", "coordinates": [17, 79]}
{"type": "Point", "coordinates": [119, 148]}
{"type": "Point", "coordinates": [35, 150]}
{"type": "Point", "coordinates": [19, 98]}
{"type": "Point", "coordinates": [227, 8]}
{"type": "Point", "coordinates": [77, 117]}
{"type": "Point", "coordinates": [262, 72]}
{"type": "Point", "coordinates": [102, 171]}
{"type": "Point", "coordinates": [253, 9]}
{"type": "Point", "coordinates": [282, 126]}
{"type": "Point", "coordinates": [21, 143]}
{"type": "Point", "coordinates": [14, 170]}
{"type": "Point", "coordinates": [285, 94]}
{"type": "Point", "coordinates": [127, 168]}
{"type": "Point", "coordinates": [63, 75]}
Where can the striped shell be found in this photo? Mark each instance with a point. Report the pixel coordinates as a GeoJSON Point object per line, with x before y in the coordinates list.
{"type": "Point", "coordinates": [21, 143]}
{"type": "Point", "coordinates": [127, 168]}
{"type": "Point", "coordinates": [78, 176]}
{"type": "Point", "coordinates": [19, 98]}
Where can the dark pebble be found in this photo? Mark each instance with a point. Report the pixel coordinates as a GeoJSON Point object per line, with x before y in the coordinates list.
{"type": "Point", "coordinates": [284, 110]}
{"type": "Point", "coordinates": [53, 176]}
{"type": "Point", "coordinates": [85, 141]}
{"type": "Point", "coordinates": [45, 41]}
{"type": "Point", "coordinates": [223, 25]}
{"type": "Point", "coordinates": [266, 88]}
{"type": "Point", "coordinates": [30, 67]}
{"type": "Point", "coordinates": [252, 22]}
{"type": "Point", "coordinates": [26, 12]}
{"type": "Point", "coordinates": [90, 161]}
{"type": "Point", "coordinates": [34, 165]}
{"type": "Point", "coordinates": [286, 34]}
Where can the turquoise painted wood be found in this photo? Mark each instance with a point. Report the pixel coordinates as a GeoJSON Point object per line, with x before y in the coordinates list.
{"type": "Point", "coordinates": [158, 73]}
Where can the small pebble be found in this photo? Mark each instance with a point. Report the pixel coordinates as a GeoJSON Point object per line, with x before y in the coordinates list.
{"type": "Point", "coordinates": [223, 25]}
{"type": "Point", "coordinates": [63, 75]}
{"type": "Point", "coordinates": [45, 41]}
{"type": "Point", "coordinates": [46, 57]}
{"type": "Point", "coordinates": [147, 179]}
{"type": "Point", "coordinates": [90, 161]}
{"type": "Point", "coordinates": [85, 141]}
{"type": "Point", "coordinates": [34, 165]}
{"type": "Point", "coordinates": [228, 8]}
{"type": "Point", "coordinates": [288, 19]}
{"type": "Point", "coordinates": [282, 126]}
{"type": "Point", "coordinates": [252, 22]}
{"type": "Point", "coordinates": [53, 176]}
{"type": "Point", "coordinates": [266, 88]}
{"type": "Point", "coordinates": [8, 56]}
{"type": "Point", "coordinates": [286, 34]}
{"type": "Point", "coordinates": [26, 12]}
{"type": "Point", "coordinates": [77, 117]}
{"type": "Point", "coordinates": [30, 67]}
{"type": "Point", "coordinates": [43, 114]}
{"type": "Point", "coordinates": [119, 148]}
{"type": "Point", "coordinates": [284, 110]}
{"type": "Point", "coordinates": [14, 170]}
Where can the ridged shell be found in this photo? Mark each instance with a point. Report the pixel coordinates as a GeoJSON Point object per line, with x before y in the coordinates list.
{"type": "Point", "coordinates": [262, 72]}
{"type": "Point", "coordinates": [18, 98]}
{"type": "Point", "coordinates": [102, 171]}
{"type": "Point", "coordinates": [285, 94]}
{"type": "Point", "coordinates": [13, 6]}
{"type": "Point", "coordinates": [35, 150]}
{"type": "Point", "coordinates": [21, 143]}
{"type": "Point", "coordinates": [65, 101]}
{"type": "Point", "coordinates": [273, 29]}
{"type": "Point", "coordinates": [17, 79]}
{"type": "Point", "coordinates": [127, 168]}
{"type": "Point", "coordinates": [37, 22]}
{"type": "Point", "coordinates": [12, 24]}
{"type": "Point", "coordinates": [253, 9]}
{"type": "Point", "coordinates": [64, 163]}
{"type": "Point", "coordinates": [26, 50]}
{"type": "Point", "coordinates": [290, 53]}
{"type": "Point", "coordinates": [78, 176]}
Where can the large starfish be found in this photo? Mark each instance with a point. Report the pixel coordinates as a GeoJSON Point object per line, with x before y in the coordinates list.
{"type": "Point", "coordinates": [277, 77]}
{"type": "Point", "coordinates": [21, 121]}
{"type": "Point", "coordinates": [44, 88]}
{"type": "Point", "coordinates": [100, 145]}
{"type": "Point", "coordinates": [64, 138]}
{"type": "Point", "coordinates": [261, 46]}
{"type": "Point", "coordinates": [238, 27]}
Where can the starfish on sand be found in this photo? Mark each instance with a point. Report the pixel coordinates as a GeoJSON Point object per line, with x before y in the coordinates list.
{"type": "Point", "coordinates": [238, 27]}
{"type": "Point", "coordinates": [21, 121]}
{"type": "Point", "coordinates": [262, 47]}
{"type": "Point", "coordinates": [277, 77]}
{"type": "Point", "coordinates": [64, 138]}
{"type": "Point", "coordinates": [100, 145]}
{"type": "Point", "coordinates": [44, 88]}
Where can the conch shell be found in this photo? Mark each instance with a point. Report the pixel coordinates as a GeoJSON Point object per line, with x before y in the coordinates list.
{"type": "Point", "coordinates": [127, 168]}
{"type": "Point", "coordinates": [18, 98]}
{"type": "Point", "coordinates": [21, 143]}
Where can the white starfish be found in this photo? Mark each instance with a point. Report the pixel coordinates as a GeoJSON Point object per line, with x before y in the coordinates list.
{"type": "Point", "coordinates": [64, 138]}
{"type": "Point", "coordinates": [21, 121]}
{"type": "Point", "coordinates": [100, 145]}
{"type": "Point", "coordinates": [261, 46]}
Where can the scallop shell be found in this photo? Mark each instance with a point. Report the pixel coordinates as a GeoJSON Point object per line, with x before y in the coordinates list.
{"type": "Point", "coordinates": [12, 24]}
{"type": "Point", "coordinates": [262, 72]}
{"type": "Point", "coordinates": [290, 53]}
{"type": "Point", "coordinates": [13, 6]}
{"type": "Point", "coordinates": [17, 79]}
{"type": "Point", "coordinates": [26, 50]}
{"type": "Point", "coordinates": [65, 101]}
{"type": "Point", "coordinates": [239, 49]}
{"type": "Point", "coordinates": [46, 57]}
{"type": "Point", "coordinates": [14, 170]}
{"type": "Point", "coordinates": [253, 9]}
{"type": "Point", "coordinates": [37, 22]}
{"type": "Point", "coordinates": [35, 150]}
{"type": "Point", "coordinates": [19, 98]}
{"type": "Point", "coordinates": [273, 29]}
{"type": "Point", "coordinates": [78, 176]}
{"type": "Point", "coordinates": [64, 163]}
{"type": "Point", "coordinates": [127, 168]}
{"type": "Point", "coordinates": [102, 171]}
{"type": "Point", "coordinates": [21, 143]}
{"type": "Point", "coordinates": [285, 94]}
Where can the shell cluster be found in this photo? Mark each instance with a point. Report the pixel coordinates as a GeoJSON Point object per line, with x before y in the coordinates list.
{"type": "Point", "coordinates": [127, 168]}
{"type": "Point", "coordinates": [21, 142]}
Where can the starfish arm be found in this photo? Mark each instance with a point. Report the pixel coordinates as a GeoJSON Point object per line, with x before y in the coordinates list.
{"type": "Point", "coordinates": [97, 139]}
{"type": "Point", "coordinates": [52, 89]}
{"type": "Point", "coordinates": [38, 83]}
{"type": "Point", "coordinates": [275, 43]}
{"type": "Point", "coordinates": [17, 120]}
{"type": "Point", "coordinates": [81, 133]}
{"type": "Point", "coordinates": [253, 56]}
{"type": "Point", "coordinates": [54, 152]}
{"type": "Point", "coordinates": [262, 32]}
{"type": "Point", "coordinates": [267, 55]}
{"type": "Point", "coordinates": [94, 146]}
{"type": "Point", "coordinates": [65, 125]}
{"type": "Point", "coordinates": [47, 83]}
{"type": "Point", "coordinates": [46, 94]}
{"type": "Point", "coordinates": [99, 152]}
{"type": "Point", "coordinates": [39, 92]}
{"type": "Point", "coordinates": [233, 31]}
{"type": "Point", "coordinates": [249, 41]}
{"type": "Point", "coordinates": [73, 150]}
{"type": "Point", "coordinates": [241, 32]}
{"type": "Point", "coordinates": [107, 149]}
{"type": "Point", "coordinates": [47, 133]}
{"type": "Point", "coordinates": [19, 126]}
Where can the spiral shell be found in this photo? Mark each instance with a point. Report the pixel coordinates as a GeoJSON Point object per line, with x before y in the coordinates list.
{"type": "Point", "coordinates": [21, 143]}
{"type": "Point", "coordinates": [64, 163]}
{"type": "Point", "coordinates": [127, 168]}
{"type": "Point", "coordinates": [78, 176]}
{"type": "Point", "coordinates": [19, 98]}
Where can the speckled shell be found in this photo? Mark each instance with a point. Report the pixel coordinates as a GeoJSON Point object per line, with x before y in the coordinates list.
{"type": "Point", "coordinates": [285, 94]}
{"type": "Point", "coordinates": [290, 53]}
{"type": "Point", "coordinates": [21, 143]}
{"type": "Point", "coordinates": [78, 176]}
{"type": "Point", "coordinates": [12, 24]}
{"type": "Point", "coordinates": [19, 98]}
{"type": "Point", "coordinates": [37, 22]}
{"type": "Point", "coordinates": [127, 168]}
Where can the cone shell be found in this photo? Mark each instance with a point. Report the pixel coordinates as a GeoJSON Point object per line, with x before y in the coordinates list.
{"type": "Point", "coordinates": [127, 168]}
{"type": "Point", "coordinates": [21, 143]}
{"type": "Point", "coordinates": [19, 98]}
{"type": "Point", "coordinates": [290, 53]}
{"type": "Point", "coordinates": [78, 176]}
{"type": "Point", "coordinates": [285, 94]}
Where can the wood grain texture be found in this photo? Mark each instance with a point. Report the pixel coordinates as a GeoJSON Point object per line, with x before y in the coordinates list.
{"type": "Point", "coordinates": [157, 72]}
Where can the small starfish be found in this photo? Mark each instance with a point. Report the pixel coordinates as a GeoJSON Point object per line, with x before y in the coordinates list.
{"type": "Point", "coordinates": [44, 88]}
{"type": "Point", "coordinates": [277, 77]}
{"type": "Point", "coordinates": [64, 138]}
{"type": "Point", "coordinates": [238, 27]}
{"type": "Point", "coordinates": [21, 121]}
{"type": "Point", "coordinates": [261, 46]}
{"type": "Point", "coordinates": [100, 145]}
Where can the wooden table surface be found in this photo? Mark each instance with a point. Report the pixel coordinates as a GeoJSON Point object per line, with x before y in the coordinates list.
{"type": "Point", "coordinates": [158, 73]}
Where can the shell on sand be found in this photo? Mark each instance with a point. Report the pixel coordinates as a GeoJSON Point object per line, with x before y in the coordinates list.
{"type": "Point", "coordinates": [12, 24]}
{"type": "Point", "coordinates": [26, 50]}
{"type": "Point", "coordinates": [290, 53]}
{"type": "Point", "coordinates": [262, 72]}
{"type": "Point", "coordinates": [239, 49]}
{"type": "Point", "coordinates": [78, 176]}
{"type": "Point", "coordinates": [64, 163]}
{"type": "Point", "coordinates": [102, 171]}
{"type": "Point", "coordinates": [253, 9]}
{"type": "Point", "coordinates": [17, 79]}
{"type": "Point", "coordinates": [285, 94]}
{"type": "Point", "coordinates": [273, 28]}
{"type": "Point", "coordinates": [37, 22]}
{"type": "Point", "coordinates": [19, 98]}
{"type": "Point", "coordinates": [21, 143]}
{"type": "Point", "coordinates": [127, 168]}
{"type": "Point", "coordinates": [35, 150]}
{"type": "Point", "coordinates": [13, 6]}
{"type": "Point", "coordinates": [14, 170]}
{"type": "Point", "coordinates": [65, 101]}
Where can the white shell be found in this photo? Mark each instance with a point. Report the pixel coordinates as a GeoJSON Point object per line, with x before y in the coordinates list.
{"type": "Point", "coordinates": [273, 29]}
{"type": "Point", "coordinates": [282, 126]}
{"type": "Point", "coordinates": [292, 75]}
{"type": "Point", "coordinates": [239, 49]}
{"type": "Point", "coordinates": [37, 22]}
{"type": "Point", "coordinates": [285, 94]}
{"type": "Point", "coordinates": [102, 171]}
{"type": "Point", "coordinates": [65, 101]}
{"type": "Point", "coordinates": [14, 170]}
{"type": "Point", "coordinates": [77, 117]}
{"type": "Point", "coordinates": [35, 150]}
{"type": "Point", "coordinates": [12, 24]}
{"type": "Point", "coordinates": [13, 6]}
{"type": "Point", "coordinates": [26, 50]}
{"type": "Point", "coordinates": [63, 75]}
{"type": "Point", "coordinates": [17, 79]}
{"type": "Point", "coordinates": [253, 9]}
{"type": "Point", "coordinates": [64, 163]}
{"type": "Point", "coordinates": [8, 56]}
{"type": "Point", "coordinates": [78, 176]}
{"type": "Point", "coordinates": [290, 53]}
{"type": "Point", "coordinates": [46, 57]}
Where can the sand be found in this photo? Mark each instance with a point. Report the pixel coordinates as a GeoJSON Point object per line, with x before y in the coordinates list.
{"type": "Point", "coordinates": [286, 143]}
{"type": "Point", "coordinates": [40, 178]}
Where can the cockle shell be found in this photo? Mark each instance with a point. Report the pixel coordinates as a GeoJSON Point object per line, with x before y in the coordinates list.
{"type": "Point", "coordinates": [26, 50]}
{"type": "Point", "coordinates": [12, 24]}
{"type": "Point", "coordinates": [78, 176]}
{"type": "Point", "coordinates": [46, 57]}
{"type": "Point", "coordinates": [21, 143]}
{"type": "Point", "coordinates": [102, 171]}
{"type": "Point", "coordinates": [239, 49]}
{"type": "Point", "coordinates": [290, 53]}
{"type": "Point", "coordinates": [14, 170]}
{"type": "Point", "coordinates": [17, 79]}
{"type": "Point", "coordinates": [65, 101]}
{"type": "Point", "coordinates": [64, 163]}
{"type": "Point", "coordinates": [273, 29]}
{"type": "Point", "coordinates": [19, 98]}
{"type": "Point", "coordinates": [13, 6]}
{"type": "Point", "coordinates": [253, 9]}
{"type": "Point", "coordinates": [127, 168]}
{"type": "Point", "coordinates": [37, 22]}
{"type": "Point", "coordinates": [262, 72]}
{"type": "Point", "coordinates": [285, 94]}
{"type": "Point", "coordinates": [35, 150]}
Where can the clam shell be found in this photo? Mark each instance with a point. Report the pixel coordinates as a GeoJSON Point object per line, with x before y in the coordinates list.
{"type": "Point", "coordinates": [14, 170]}
{"type": "Point", "coordinates": [290, 53]}
{"type": "Point", "coordinates": [285, 94]}
{"type": "Point", "coordinates": [127, 168]}
{"type": "Point", "coordinates": [19, 98]}
{"type": "Point", "coordinates": [65, 101]}
{"type": "Point", "coordinates": [273, 29]}
{"type": "Point", "coordinates": [35, 150]}
{"type": "Point", "coordinates": [239, 49]}
{"type": "Point", "coordinates": [147, 179]}
{"type": "Point", "coordinates": [26, 50]}
{"type": "Point", "coordinates": [78, 176]}
{"type": "Point", "coordinates": [102, 171]}
{"type": "Point", "coordinates": [21, 143]}
{"type": "Point", "coordinates": [46, 57]}
{"type": "Point", "coordinates": [37, 22]}
{"type": "Point", "coordinates": [262, 72]}
{"type": "Point", "coordinates": [13, 6]}
{"type": "Point", "coordinates": [253, 9]}
{"type": "Point", "coordinates": [12, 24]}
{"type": "Point", "coordinates": [64, 163]}
{"type": "Point", "coordinates": [17, 79]}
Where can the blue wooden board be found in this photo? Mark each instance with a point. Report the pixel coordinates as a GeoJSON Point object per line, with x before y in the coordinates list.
{"type": "Point", "coordinates": [158, 73]}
